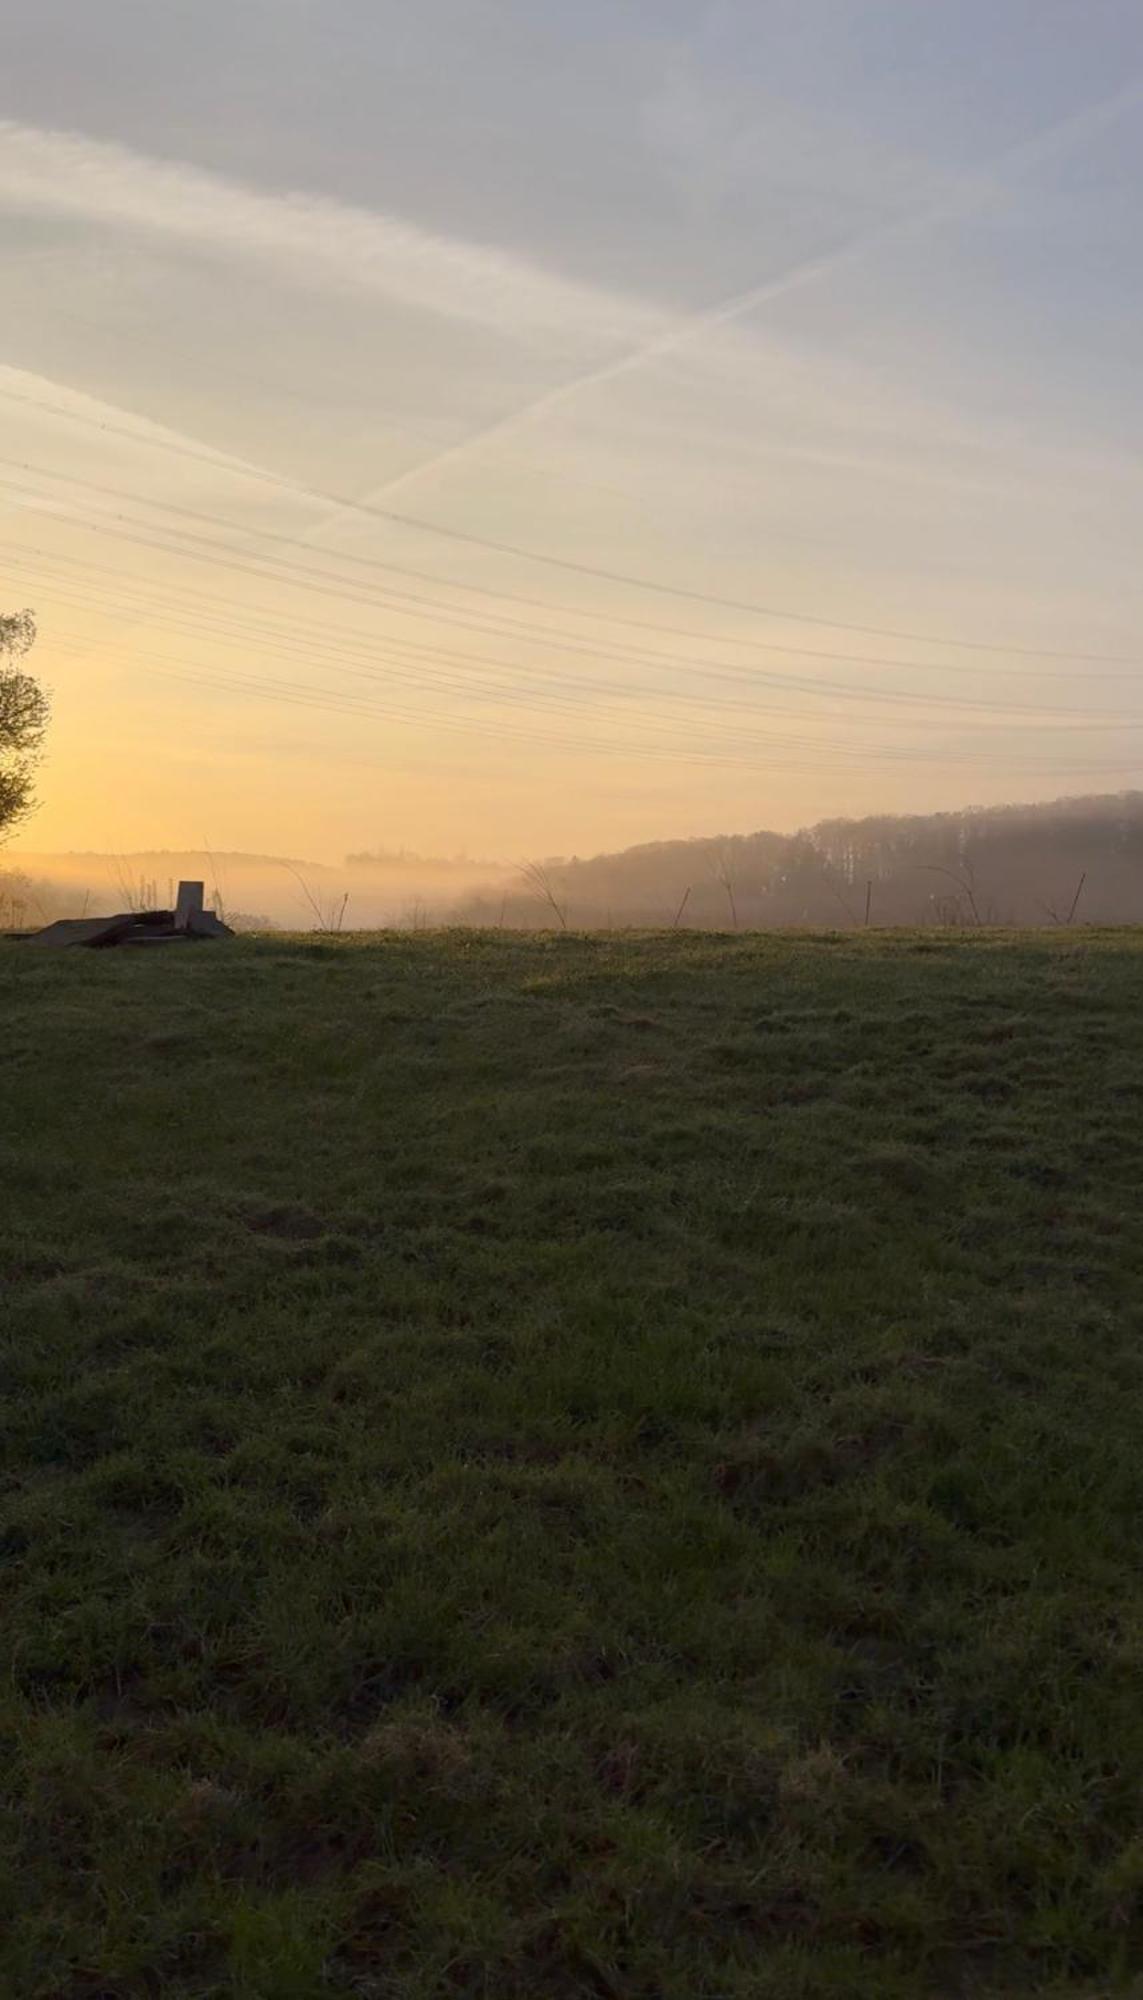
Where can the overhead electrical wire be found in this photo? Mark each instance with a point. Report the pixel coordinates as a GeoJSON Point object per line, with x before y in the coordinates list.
{"type": "Point", "coordinates": [221, 554]}
{"type": "Point", "coordinates": [450, 687]}
{"type": "Point", "coordinates": [299, 695]}
{"type": "Point", "coordinates": [448, 613]}
{"type": "Point", "coordinates": [529, 687]}
{"type": "Point", "coordinates": [537, 689]}
{"type": "Point", "coordinates": [596, 572]}
{"type": "Point", "coordinates": [338, 701]}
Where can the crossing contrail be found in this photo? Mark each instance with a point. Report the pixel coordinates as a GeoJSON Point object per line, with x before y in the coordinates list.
{"type": "Point", "coordinates": [971, 194]}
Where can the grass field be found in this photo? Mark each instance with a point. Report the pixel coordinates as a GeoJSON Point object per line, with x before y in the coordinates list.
{"type": "Point", "coordinates": [601, 1467]}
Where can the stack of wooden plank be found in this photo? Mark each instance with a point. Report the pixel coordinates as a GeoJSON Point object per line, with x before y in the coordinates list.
{"type": "Point", "coordinates": [186, 923]}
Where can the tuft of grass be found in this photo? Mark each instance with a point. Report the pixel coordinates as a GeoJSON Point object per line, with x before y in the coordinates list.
{"type": "Point", "coordinates": [583, 1466]}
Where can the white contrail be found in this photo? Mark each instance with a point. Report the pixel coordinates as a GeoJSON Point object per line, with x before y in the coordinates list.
{"type": "Point", "coordinates": [309, 237]}
{"type": "Point", "coordinates": [25, 389]}
{"type": "Point", "coordinates": [972, 193]}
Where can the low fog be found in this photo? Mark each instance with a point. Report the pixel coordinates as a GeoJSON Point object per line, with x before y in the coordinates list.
{"type": "Point", "coordinates": [255, 892]}
{"type": "Point", "coordinates": [1068, 862]}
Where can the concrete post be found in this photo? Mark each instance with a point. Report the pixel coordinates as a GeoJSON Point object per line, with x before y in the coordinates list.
{"type": "Point", "coordinates": [190, 904]}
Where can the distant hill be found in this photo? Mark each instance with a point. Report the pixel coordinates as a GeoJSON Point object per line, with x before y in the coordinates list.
{"type": "Point", "coordinates": [1077, 860]}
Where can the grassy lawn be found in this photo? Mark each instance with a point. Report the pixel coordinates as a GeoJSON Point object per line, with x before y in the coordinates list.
{"type": "Point", "coordinates": [602, 1467]}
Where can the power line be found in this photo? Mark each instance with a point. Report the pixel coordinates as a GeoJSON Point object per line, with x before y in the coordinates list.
{"type": "Point", "coordinates": [343, 702]}
{"type": "Point", "coordinates": [599, 573]}
{"type": "Point", "coordinates": [758, 681]}
{"type": "Point", "coordinates": [299, 695]}
{"type": "Point", "coordinates": [324, 582]}
{"type": "Point", "coordinates": [494, 693]}
{"type": "Point", "coordinates": [448, 613]}
{"type": "Point", "coordinates": [364, 644]}
{"type": "Point", "coordinates": [663, 740]}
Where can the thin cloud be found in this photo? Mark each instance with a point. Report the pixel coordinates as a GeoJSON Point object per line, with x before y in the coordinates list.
{"type": "Point", "coordinates": [43, 397]}
{"type": "Point", "coordinates": [972, 194]}
{"type": "Point", "coordinates": [308, 237]}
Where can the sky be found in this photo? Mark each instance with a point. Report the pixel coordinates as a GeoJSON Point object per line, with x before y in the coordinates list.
{"type": "Point", "coordinates": [521, 427]}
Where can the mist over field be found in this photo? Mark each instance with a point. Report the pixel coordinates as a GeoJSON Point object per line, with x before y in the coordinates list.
{"type": "Point", "coordinates": [1071, 861]}
{"type": "Point", "coordinates": [255, 891]}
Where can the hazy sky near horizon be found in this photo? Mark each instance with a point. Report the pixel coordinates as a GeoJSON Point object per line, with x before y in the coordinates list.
{"type": "Point", "coordinates": [525, 426]}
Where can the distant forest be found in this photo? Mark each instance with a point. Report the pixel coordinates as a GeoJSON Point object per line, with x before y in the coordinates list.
{"type": "Point", "coordinates": [1076, 861]}
{"type": "Point", "coordinates": [1073, 861]}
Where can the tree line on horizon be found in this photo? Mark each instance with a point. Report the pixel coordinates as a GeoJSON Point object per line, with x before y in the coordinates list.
{"type": "Point", "coordinates": [1067, 862]}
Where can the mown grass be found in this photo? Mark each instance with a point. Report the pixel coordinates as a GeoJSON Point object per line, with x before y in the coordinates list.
{"type": "Point", "coordinates": [573, 1466]}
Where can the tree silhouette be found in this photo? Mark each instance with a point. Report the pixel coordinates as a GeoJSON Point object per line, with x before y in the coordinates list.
{"type": "Point", "coordinates": [24, 712]}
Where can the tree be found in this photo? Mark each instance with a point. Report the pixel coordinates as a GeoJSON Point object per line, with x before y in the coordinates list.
{"type": "Point", "coordinates": [24, 712]}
